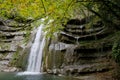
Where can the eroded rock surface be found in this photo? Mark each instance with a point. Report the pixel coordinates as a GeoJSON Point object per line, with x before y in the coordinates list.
{"type": "Point", "coordinates": [11, 36]}
{"type": "Point", "coordinates": [83, 52]}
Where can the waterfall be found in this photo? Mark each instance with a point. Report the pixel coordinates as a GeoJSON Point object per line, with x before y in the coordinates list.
{"type": "Point", "coordinates": [36, 51]}
{"type": "Point", "coordinates": [35, 56]}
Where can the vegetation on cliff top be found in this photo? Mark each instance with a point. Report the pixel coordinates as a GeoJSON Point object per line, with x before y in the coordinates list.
{"type": "Point", "coordinates": [59, 11]}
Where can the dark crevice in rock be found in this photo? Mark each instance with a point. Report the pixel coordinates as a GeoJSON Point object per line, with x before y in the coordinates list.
{"type": "Point", "coordinates": [1, 23]}
{"type": "Point", "coordinates": [92, 55]}
{"type": "Point", "coordinates": [82, 32]}
{"type": "Point", "coordinates": [93, 72]}
{"type": "Point", "coordinates": [4, 59]}
{"type": "Point", "coordinates": [6, 51]}
{"type": "Point", "coordinates": [9, 37]}
{"type": "Point", "coordinates": [82, 61]}
{"type": "Point", "coordinates": [10, 30]}
{"type": "Point", "coordinates": [94, 50]}
{"type": "Point", "coordinates": [76, 22]}
{"type": "Point", "coordinates": [6, 41]}
{"type": "Point", "coordinates": [80, 22]}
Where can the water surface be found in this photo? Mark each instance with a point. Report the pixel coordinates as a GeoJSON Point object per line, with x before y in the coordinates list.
{"type": "Point", "coordinates": [13, 76]}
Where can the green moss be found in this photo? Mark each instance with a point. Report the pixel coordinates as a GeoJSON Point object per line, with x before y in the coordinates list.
{"type": "Point", "coordinates": [93, 20]}
{"type": "Point", "coordinates": [15, 58]}
{"type": "Point", "coordinates": [116, 51]}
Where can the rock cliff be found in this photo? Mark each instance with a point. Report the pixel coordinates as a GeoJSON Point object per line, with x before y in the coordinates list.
{"type": "Point", "coordinates": [12, 35]}
{"type": "Point", "coordinates": [82, 51]}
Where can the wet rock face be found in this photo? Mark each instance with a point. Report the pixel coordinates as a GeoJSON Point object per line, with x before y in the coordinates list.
{"type": "Point", "coordinates": [83, 51]}
{"type": "Point", "coordinates": [11, 36]}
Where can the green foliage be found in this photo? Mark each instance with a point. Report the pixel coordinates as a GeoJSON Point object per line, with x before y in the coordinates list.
{"type": "Point", "coordinates": [59, 11]}
{"type": "Point", "coordinates": [107, 10]}
{"type": "Point", "coordinates": [21, 10]}
{"type": "Point", "coordinates": [116, 51]}
{"type": "Point", "coordinates": [15, 59]}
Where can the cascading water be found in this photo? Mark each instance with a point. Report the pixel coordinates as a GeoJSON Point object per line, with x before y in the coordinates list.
{"type": "Point", "coordinates": [35, 57]}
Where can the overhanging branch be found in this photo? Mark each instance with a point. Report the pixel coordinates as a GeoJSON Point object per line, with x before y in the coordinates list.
{"type": "Point", "coordinates": [44, 6]}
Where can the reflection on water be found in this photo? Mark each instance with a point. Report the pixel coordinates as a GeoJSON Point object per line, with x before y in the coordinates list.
{"type": "Point", "coordinates": [13, 76]}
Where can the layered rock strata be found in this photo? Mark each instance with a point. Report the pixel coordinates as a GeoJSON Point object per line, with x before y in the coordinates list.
{"type": "Point", "coordinates": [11, 36]}
{"type": "Point", "coordinates": [82, 52]}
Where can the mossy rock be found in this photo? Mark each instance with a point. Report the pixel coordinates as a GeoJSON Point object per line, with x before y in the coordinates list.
{"type": "Point", "coordinates": [20, 58]}
{"type": "Point", "coordinates": [5, 45]}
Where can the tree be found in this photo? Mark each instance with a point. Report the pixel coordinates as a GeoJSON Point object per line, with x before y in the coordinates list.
{"type": "Point", "coordinates": [22, 11]}
{"type": "Point", "coordinates": [59, 11]}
